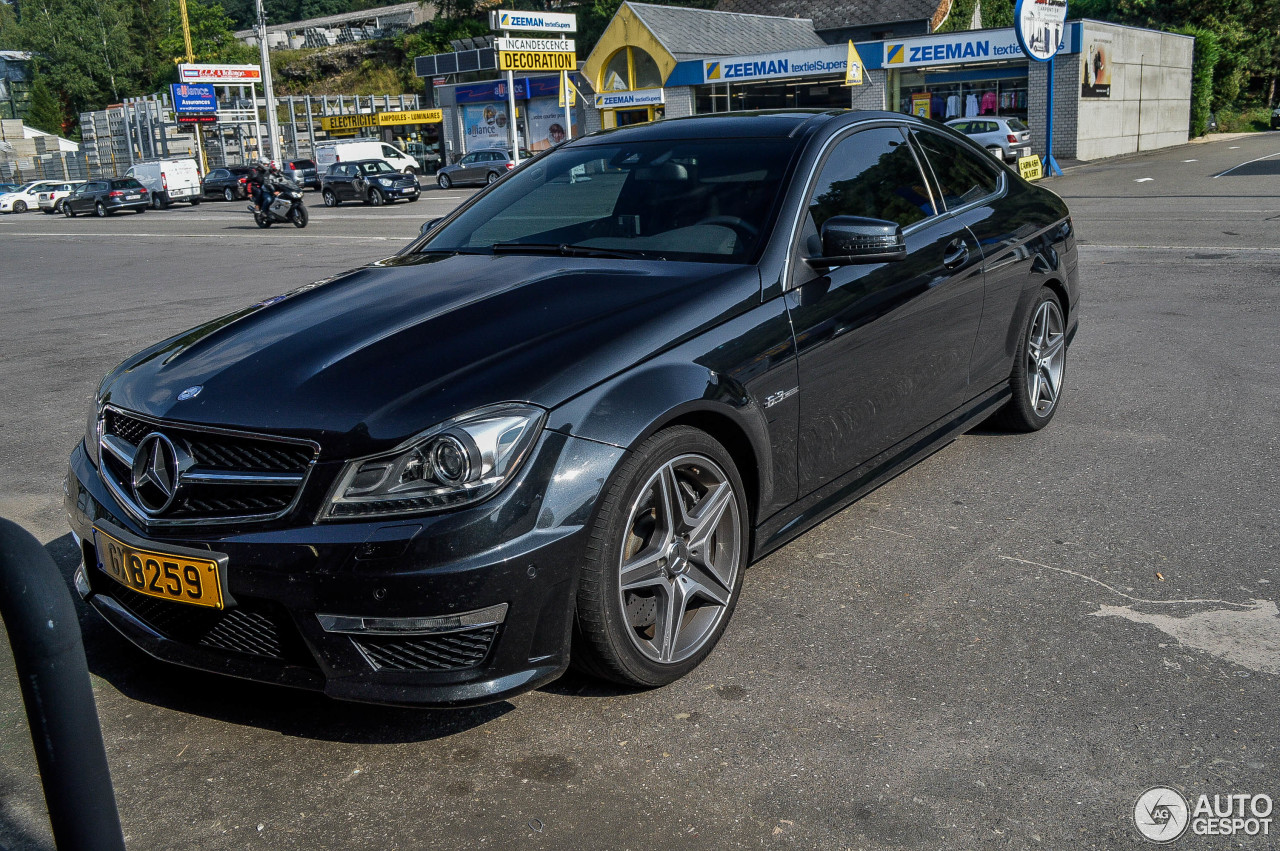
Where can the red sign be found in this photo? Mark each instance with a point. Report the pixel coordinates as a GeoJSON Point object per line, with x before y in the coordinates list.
{"type": "Point", "coordinates": [439, 81]}
{"type": "Point", "coordinates": [226, 74]}
{"type": "Point", "coordinates": [197, 118]}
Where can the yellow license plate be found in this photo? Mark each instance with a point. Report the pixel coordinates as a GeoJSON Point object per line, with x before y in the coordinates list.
{"type": "Point", "coordinates": [170, 577]}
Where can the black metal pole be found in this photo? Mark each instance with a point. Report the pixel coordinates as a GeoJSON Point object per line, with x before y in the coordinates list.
{"type": "Point", "coordinates": [49, 656]}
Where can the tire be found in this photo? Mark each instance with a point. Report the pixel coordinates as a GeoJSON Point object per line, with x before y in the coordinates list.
{"type": "Point", "coordinates": [330, 200]}
{"type": "Point", "coordinates": [413, 198]}
{"type": "Point", "coordinates": [140, 210]}
{"type": "Point", "coordinates": [620, 634]}
{"type": "Point", "coordinates": [411, 171]}
{"type": "Point", "coordinates": [299, 216]}
{"type": "Point", "coordinates": [19, 206]}
{"type": "Point", "coordinates": [261, 221]}
{"type": "Point", "coordinates": [491, 177]}
{"type": "Point", "coordinates": [1039, 368]}
{"type": "Point", "coordinates": [376, 198]}
{"type": "Point", "coordinates": [99, 210]}
{"type": "Point", "coordinates": [157, 202]}
{"type": "Point", "coordinates": [68, 212]}
{"type": "Point", "coordinates": [195, 202]}
{"type": "Point", "coordinates": [228, 195]}
{"type": "Point", "coordinates": [443, 181]}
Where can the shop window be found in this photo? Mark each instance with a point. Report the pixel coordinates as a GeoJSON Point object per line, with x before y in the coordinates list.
{"type": "Point", "coordinates": [630, 68]}
{"type": "Point", "coordinates": [962, 175]}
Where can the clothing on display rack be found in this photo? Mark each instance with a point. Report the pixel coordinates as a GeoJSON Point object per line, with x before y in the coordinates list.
{"type": "Point", "coordinates": [970, 106]}
{"type": "Point", "coordinates": [953, 106]}
{"type": "Point", "coordinates": [990, 102]}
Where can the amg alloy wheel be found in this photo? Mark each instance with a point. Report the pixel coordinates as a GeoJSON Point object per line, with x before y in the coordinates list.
{"type": "Point", "coordinates": [665, 562]}
{"type": "Point", "coordinates": [1039, 368]}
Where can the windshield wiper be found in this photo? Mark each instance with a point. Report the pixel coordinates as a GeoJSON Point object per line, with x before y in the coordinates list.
{"type": "Point", "coordinates": [565, 249]}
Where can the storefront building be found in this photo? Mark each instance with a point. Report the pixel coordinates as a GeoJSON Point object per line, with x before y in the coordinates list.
{"type": "Point", "coordinates": [1143, 103]}
{"type": "Point", "coordinates": [476, 115]}
{"type": "Point", "coordinates": [416, 131]}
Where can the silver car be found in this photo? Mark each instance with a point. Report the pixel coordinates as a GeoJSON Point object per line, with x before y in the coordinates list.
{"type": "Point", "coordinates": [1004, 138]}
{"type": "Point", "coordinates": [483, 166]}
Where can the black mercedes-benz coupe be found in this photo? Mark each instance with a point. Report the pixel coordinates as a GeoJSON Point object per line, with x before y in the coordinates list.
{"type": "Point", "coordinates": [560, 425]}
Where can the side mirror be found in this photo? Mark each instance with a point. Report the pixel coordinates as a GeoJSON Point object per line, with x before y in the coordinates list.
{"type": "Point", "coordinates": [847, 240]}
{"type": "Point", "coordinates": [429, 224]}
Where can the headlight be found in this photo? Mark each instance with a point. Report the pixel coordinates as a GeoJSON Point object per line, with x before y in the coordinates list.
{"type": "Point", "coordinates": [385, 181]}
{"type": "Point", "coordinates": [91, 433]}
{"type": "Point", "coordinates": [457, 463]}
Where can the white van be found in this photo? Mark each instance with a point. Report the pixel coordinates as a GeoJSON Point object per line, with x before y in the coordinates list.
{"type": "Point", "coordinates": [328, 153]}
{"type": "Point", "coordinates": [169, 181]}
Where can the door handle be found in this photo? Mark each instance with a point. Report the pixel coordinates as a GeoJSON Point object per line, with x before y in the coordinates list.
{"type": "Point", "coordinates": [956, 254]}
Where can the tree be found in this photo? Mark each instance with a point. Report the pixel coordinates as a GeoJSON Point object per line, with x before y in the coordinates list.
{"type": "Point", "coordinates": [86, 46]}
{"type": "Point", "coordinates": [45, 112]}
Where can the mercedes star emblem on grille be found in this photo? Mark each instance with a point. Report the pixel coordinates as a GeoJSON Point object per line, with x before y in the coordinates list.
{"type": "Point", "coordinates": [190, 393]}
{"type": "Point", "coordinates": [156, 475]}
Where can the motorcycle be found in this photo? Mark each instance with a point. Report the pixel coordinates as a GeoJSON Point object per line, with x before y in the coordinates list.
{"type": "Point", "coordinates": [286, 206]}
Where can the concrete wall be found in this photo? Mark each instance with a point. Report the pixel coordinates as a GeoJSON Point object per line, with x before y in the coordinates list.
{"type": "Point", "coordinates": [1150, 102]}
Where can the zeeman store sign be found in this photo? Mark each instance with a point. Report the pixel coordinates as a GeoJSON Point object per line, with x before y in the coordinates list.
{"type": "Point", "coordinates": [799, 63]}
{"type": "Point", "coordinates": [999, 45]}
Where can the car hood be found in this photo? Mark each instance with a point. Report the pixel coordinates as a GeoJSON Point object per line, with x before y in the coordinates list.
{"type": "Point", "coordinates": [368, 358]}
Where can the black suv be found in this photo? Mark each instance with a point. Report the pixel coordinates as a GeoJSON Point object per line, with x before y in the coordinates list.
{"type": "Point", "coordinates": [370, 181]}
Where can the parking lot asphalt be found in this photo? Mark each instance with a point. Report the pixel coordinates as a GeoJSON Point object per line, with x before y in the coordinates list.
{"type": "Point", "coordinates": [1004, 647]}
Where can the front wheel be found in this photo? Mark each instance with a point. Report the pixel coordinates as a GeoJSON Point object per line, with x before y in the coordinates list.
{"type": "Point", "coordinates": [68, 212]}
{"type": "Point", "coordinates": [330, 200]}
{"type": "Point", "coordinates": [376, 198]}
{"type": "Point", "coordinates": [299, 216]}
{"type": "Point", "coordinates": [158, 202]}
{"type": "Point", "coordinates": [664, 562]}
{"type": "Point", "coordinates": [1039, 368]}
{"type": "Point", "coordinates": [19, 206]}
{"type": "Point", "coordinates": [411, 171]}
{"type": "Point", "coordinates": [443, 181]}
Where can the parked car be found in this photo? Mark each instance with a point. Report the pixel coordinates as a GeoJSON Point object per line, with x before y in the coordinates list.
{"type": "Point", "coordinates": [104, 197]}
{"type": "Point", "coordinates": [302, 172]}
{"type": "Point", "coordinates": [483, 166]}
{"type": "Point", "coordinates": [50, 198]}
{"type": "Point", "coordinates": [1004, 138]}
{"type": "Point", "coordinates": [350, 150]}
{"type": "Point", "coordinates": [24, 197]}
{"type": "Point", "coordinates": [227, 183]}
{"type": "Point", "coordinates": [368, 181]}
{"type": "Point", "coordinates": [560, 425]}
{"type": "Point", "coordinates": [169, 180]}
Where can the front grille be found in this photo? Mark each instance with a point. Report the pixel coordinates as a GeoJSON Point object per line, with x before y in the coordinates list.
{"type": "Point", "coordinates": [217, 453]}
{"type": "Point", "coordinates": [252, 628]}
{"type": "Point", "coordinates": [448, 652]}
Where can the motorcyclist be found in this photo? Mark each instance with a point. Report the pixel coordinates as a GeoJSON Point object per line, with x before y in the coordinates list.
{"type": "Point", "coordinates": [257, 184]}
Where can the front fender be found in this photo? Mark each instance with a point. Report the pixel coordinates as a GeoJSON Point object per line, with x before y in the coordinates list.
{"type": "Point", "coordinates": [737, 382]}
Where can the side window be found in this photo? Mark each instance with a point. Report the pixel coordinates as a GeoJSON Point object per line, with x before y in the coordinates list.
{"type": "Point", "coordinates": [990, 127]}
{"type": "Point", "coordinates": [963, 175]}
{"type": "Point", "coordinates": [392, 153]}
{"type": "Point", "coordinates": [963, 127]}
{"type": "Point", "coordinates": [468, 159]}
{"type": "Point", "coordinates": [871, 174]}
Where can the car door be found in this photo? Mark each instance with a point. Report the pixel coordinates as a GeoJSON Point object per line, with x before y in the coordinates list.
{"type": "Point", "coordinates": [215, 181]}
{"type": "Point", "coordinates": [883, 348]}
{"type": "Point", "coordinates": [350, 182]}
{"type": "Point", "coordinates": [972, 186]}
{"type": "Point", "coordinates": [470, 165]}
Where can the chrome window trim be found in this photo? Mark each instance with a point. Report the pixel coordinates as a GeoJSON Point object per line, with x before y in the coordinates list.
{"type": "Point", "coordinates": [820, 160]}
{"type": "Point", "coordinates": [1001, 182]}
{"type": "Point", "coordinates": [116, 448]}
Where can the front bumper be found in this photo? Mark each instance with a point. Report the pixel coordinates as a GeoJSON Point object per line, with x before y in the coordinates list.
{"type": "Point", "coordinates": [282, 576]}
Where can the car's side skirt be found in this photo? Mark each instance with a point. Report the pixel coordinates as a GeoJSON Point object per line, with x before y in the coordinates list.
{"type": "Point", "coordinates": [811, 510]}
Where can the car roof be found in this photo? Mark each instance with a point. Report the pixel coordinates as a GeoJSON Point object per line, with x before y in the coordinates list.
{"type": "Point", "coordinates": [779, 123]}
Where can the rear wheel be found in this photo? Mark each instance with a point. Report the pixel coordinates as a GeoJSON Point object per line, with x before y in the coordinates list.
{"type": "Point", "coordinates": [228, 195]}
{"type": "Point", "coordinates": [491, 177]}
{"type": "Point", "coordinates": [99, 210]}
{"type": "Point", "coordinates": [1039, 369]}
{"type": "Point", "coordinates": [664, 562]}
{"type": "Point", "coordinates": [330, 200]}
{"type": "Point", "coordinates": [261, 220]}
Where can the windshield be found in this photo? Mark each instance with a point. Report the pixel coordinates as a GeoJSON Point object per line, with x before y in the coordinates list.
{"type": "Point", "coordinates": [377, 167]}
{"type": "Point", "coordinates": [26, 187]}
{"type": "Point", "coordinates": [707, 200]}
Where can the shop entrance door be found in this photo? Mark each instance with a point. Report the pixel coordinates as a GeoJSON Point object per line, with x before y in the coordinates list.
{"type": "Point", "coordinates": [633, 116]}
